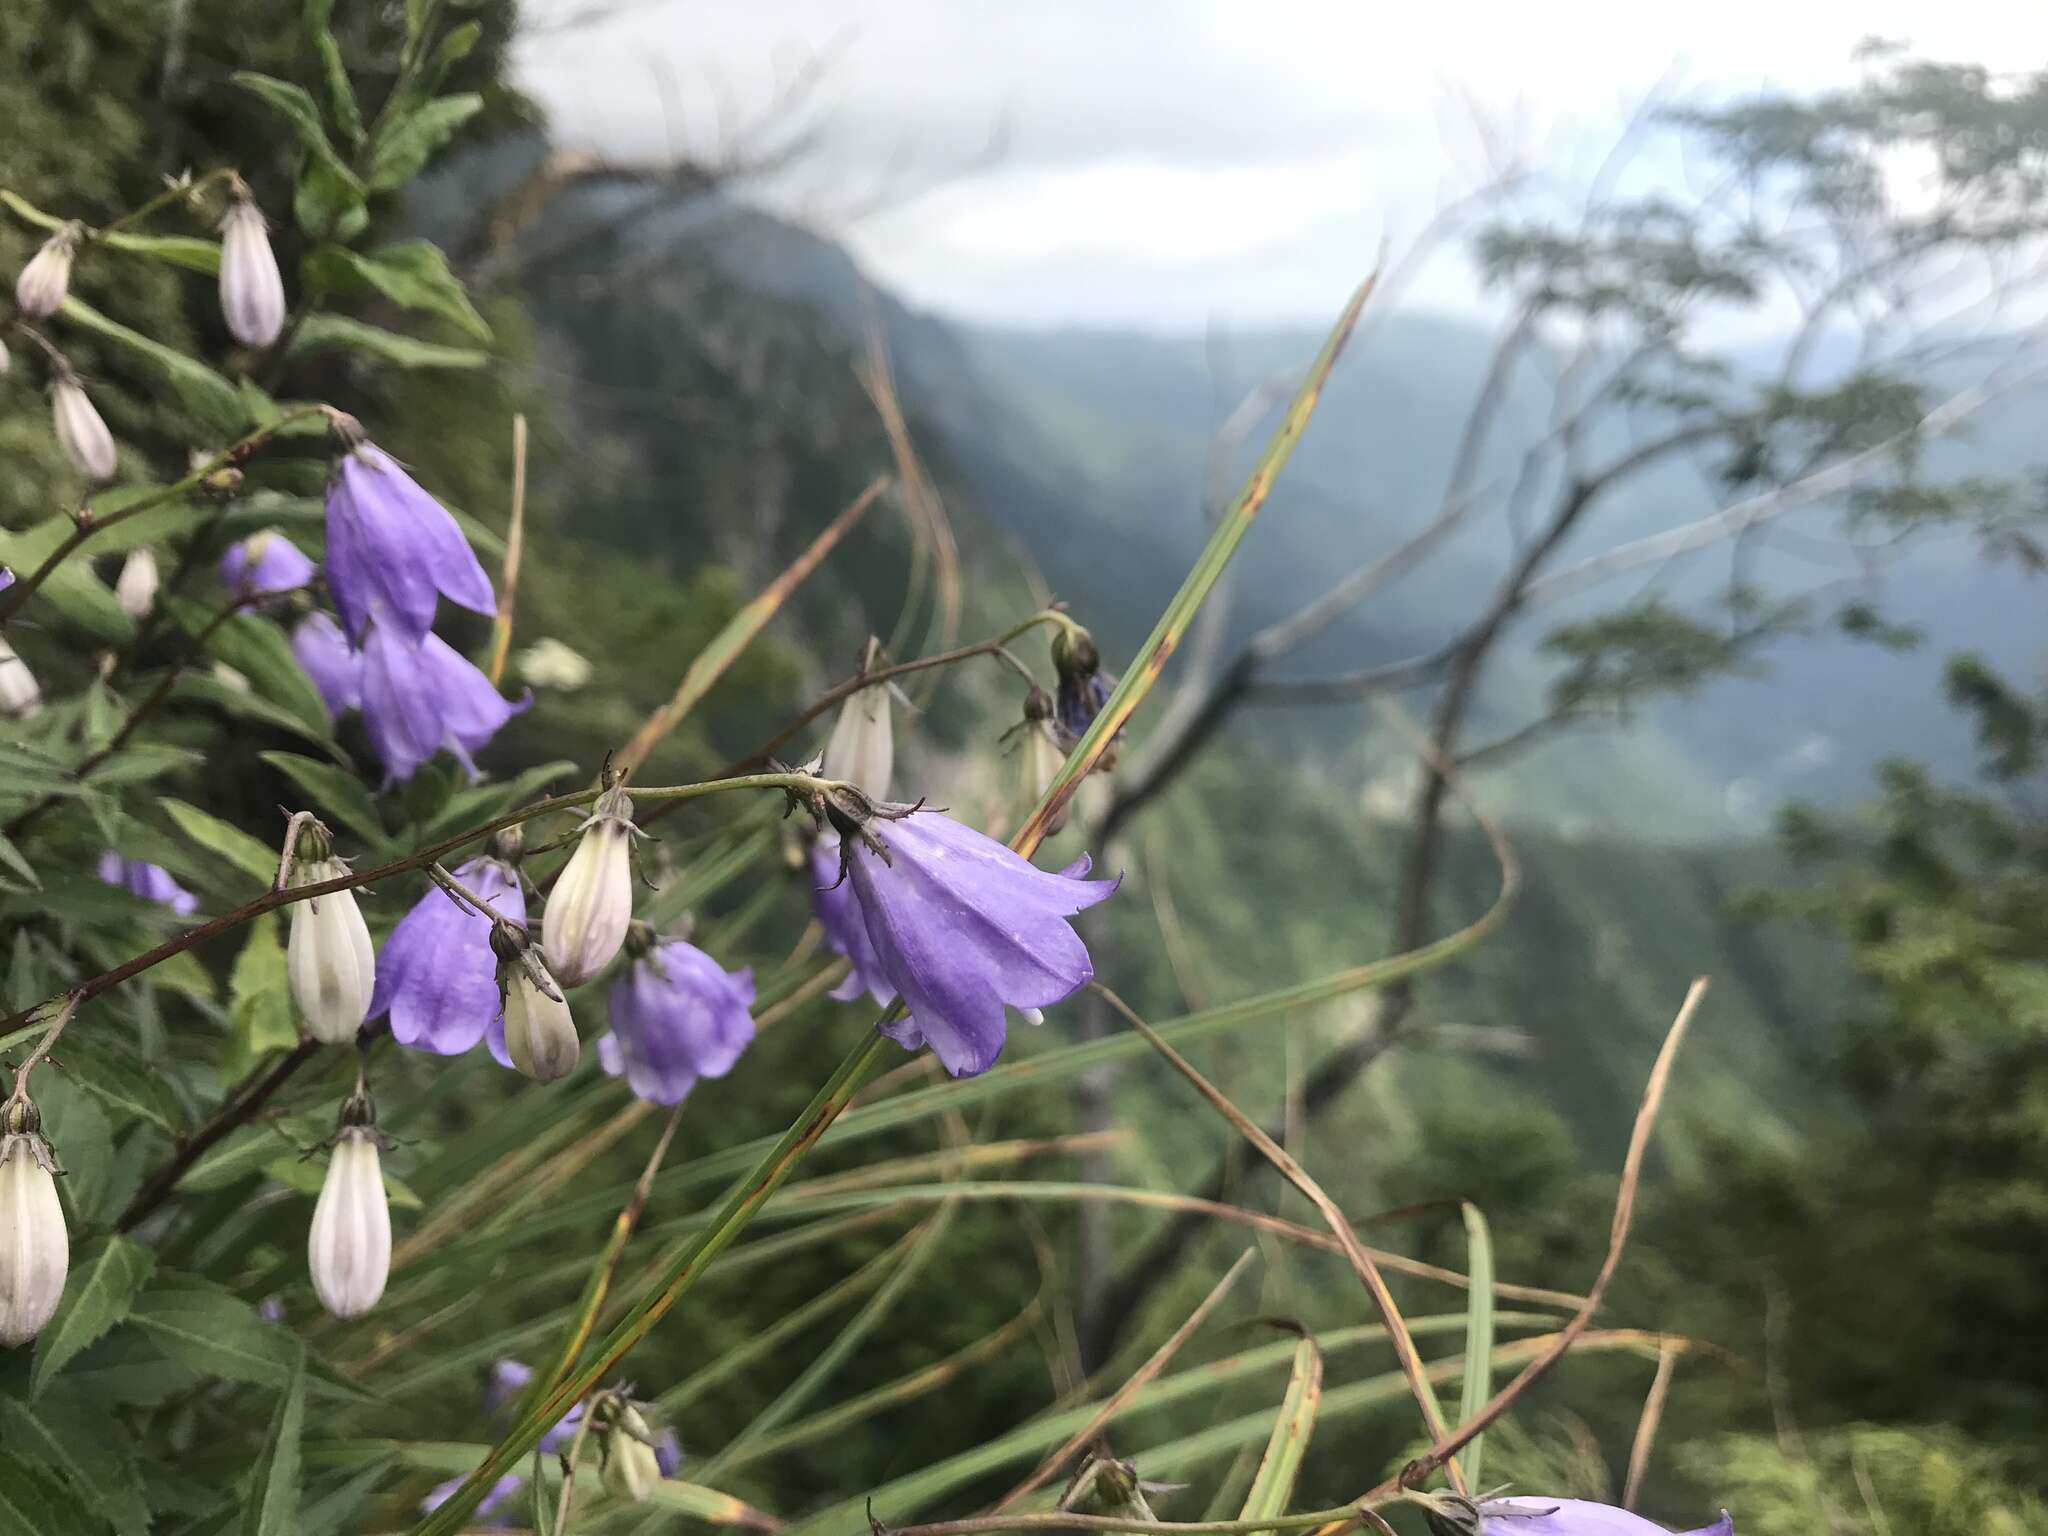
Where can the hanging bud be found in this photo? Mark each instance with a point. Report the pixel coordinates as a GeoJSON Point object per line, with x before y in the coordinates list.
{"type": "Point", "coordinates": [1042, 751]}
{"type": "Point", "coordinates": [20, 695]}
{"type": "Point", "coordinates": [329, 961]}
{"type": "Point", "coordinates": [80, 432]}
{"type": "Point", "coordinates": [135, 588]}
{"type": "Point", "coordinates": [862, 747]}
{"type": "Point", "coordinates": [349, 1249]}
{"type": "Point", "coordinates": [39, 291]}
{"type": "Point", "coordinates": [540, 1036]}
{"type": "Point", "coordinates": [34, 1248]}
{"type": "Point", "coordinates": [251, 289]}
{"type": "Point", "coordinates": [1083, 686]}
{"type": "Point", "coordinates": [592, 902]}
{"type": "Point", "coordinates": [632, 1465]}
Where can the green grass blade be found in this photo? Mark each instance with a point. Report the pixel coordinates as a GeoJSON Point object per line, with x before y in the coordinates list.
{"type": "Point", "coordinates": [1478, 1333]}
{"type": "Point", "coordinates": [1273, 1485]}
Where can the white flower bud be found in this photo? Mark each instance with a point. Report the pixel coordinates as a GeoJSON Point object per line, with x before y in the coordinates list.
{"type": "Point", "coordinates": [251, 289]}
{"type": "Point", "coordinates": [329, 961]}
{"type": "Point", "coordinates": [39, 291]}
{"type": "Point", "coordinates": [80, 432]}
{"type": "Point", "coordinates": [34, 1248]}
{"type": "Point", "coordinates": [135, 588]}
{"type": "Point", "coordinates": [20, 695]}
{"type": "Point", "coordinates": [349, 1250]}
{"type": "Point", "coordinates": [631, 1468]}
{"type": "Point", "coordinates": [862, 747]}
{"type": "Point", "coordinates": [548, 663]}
{"type": "Point", "coordinates": [540, 1036]}
{"type": "Point", "coordinates": [6, 358]}
{"type": "Point", "coordinates": [1043, 757]}
{"type": "Point", "coordinates": [592, 902]}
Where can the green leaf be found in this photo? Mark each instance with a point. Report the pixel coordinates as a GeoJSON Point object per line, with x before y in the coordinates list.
{"type": "Point", "coordinates": [414, 273]}
{"type": "Point", "coordinates": [231, 843]}
{"type": "Point", "coordinates": [213, 1333]}
{"type": "Point", "coordinates": [230, 698]}
{"type": "Point", "coordinates": [455, 46]}
{"type": "Point", "coordinates": [300, 110]}
{"type": "Point", "coordinates": [259, 1000]}
{"type": "Point", "coordinates": [11, 857]}
{"type": "Point", "coordinates": [131, 1091]}
{"type": "Point", "coordinates": [197, 386]}
{"type": "Point", "coordinates": [341, 95]}
{"type": "Point", "coordinates": [103, 1283]}
{"type": "Point", "coordinates": [71, 1434]}
{"type": "Point", "coordinates": [272, 1506]}
{"type": "Point", "coordinates": [246, 1151]}
{"type": "Point", "coordinates": [33, 1503]}
{"type": "Point", "coordinates": [1478, 1384]}
{"type": "Point", "coordinates": [341, 795]}
{"type": "Point", "coordinates": [405, 146]}
{"type": "Point", "coordinates": [1273, 1487]}
{"type": "Point", "coordinates": [306, 1177]}
{"type": "Point", "coordinates": [180, 250]}
{"type": "Point", "coordinates": [258, 649]}
{"type": "Point", "coordinates": [328, 333]}
{"type": "Point", "coordinates": [327, 205]}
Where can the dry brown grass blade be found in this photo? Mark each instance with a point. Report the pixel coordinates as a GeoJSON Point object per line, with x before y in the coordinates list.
{"type": "Point", "coordinates": [515, 544]}
{"type": "Point", "coordinates": [1054, 1464]}
{"type": "Point", "coordinates": [1646, 1426]}
{"type": "Point", "coordinates": [1361, 1261]}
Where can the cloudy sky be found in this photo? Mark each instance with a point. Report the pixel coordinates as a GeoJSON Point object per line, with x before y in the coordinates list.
{"type": "Point", "coordinates": [1178, 163]}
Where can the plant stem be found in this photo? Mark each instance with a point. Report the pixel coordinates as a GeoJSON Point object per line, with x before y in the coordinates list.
{"type": "Point", "coordinates": [569, 1472]}
{"type": "Point", "coordinates": [41, 1051]}
{"type": "Point", "coordinates": [1061, 1520]}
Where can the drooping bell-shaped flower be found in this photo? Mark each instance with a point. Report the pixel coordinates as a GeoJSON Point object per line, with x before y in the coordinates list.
{"type": "Point", "coordinates": [1451, 1514]}
{"type": "Point", "coordinates": [635, 1456]}
{"type": "Point", "coordinates": [349, 1249]}
{"type": "Point", "coordinates": [393, 551]}
{"type": "Point", "coordinates": [676, 1015]}
{"type": "Point", "coordinates": [335, 666]}
{"type": "Point", "coordinates": [328, 959]}
{"type": "Point", "coordinates": [35, 1250]}
{"type": "Point", "coordinates": [135, 588]}
{"type": "Point", "coordinates": [419, 697]}
{"type": "Point", "coordinates": [263, 563]}
{"type": "Point", "coordinates": [962, 927]}
{"type": "Point", "coordinates": [21, 696]}
{"type": "Point", "coordinates": [437, 977]}
{"type": "Point", "coordinates": [585, 920]}
{"type": "Point", "coordinates": [846, 932]}
{"type": "Point", "coordinates": [862, 747]}
{"type": "Point", "coordinates": [251, 288]}
{"type": "Point", "coordinates": [152, 882]}
{"type": "Point", "coordinates": [39, 291]}
{"type": "Point", "coordinates": [80, 432]}
{"type": "Point", "coordinates": [535, 1030]}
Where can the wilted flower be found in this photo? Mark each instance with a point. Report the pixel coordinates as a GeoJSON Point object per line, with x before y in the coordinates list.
{"type": "Point", "coordinates": [328, 959]}
{"type": "Point", "coordinates": [846, 932]}
{"type": "Point", "coordinates": [677, 1015]}
{"type": "Point", "coordinates": [963, 926]}
{"type": "Point", "coordinates": [39, 291]}
{"type": "Point", "coordinates": [135, 588]}
{"type": "Point", "coordinates": [548, 663]}
{"type": "Point", "coordinates": [251, 288]}
{"type": "Point", "coordinates": [635, 1457]}
{"type": "Point", "coordinates": [1451, 1514]}
{"type": "Point", "coordinates": [437, 977]}
{"type": "Point", "coordinates": [20, 695]}
{"type": "Point", "coordinates": [335, 666]}
{"type": "Point", "coordinates": [80, 432]}
{"type": "Point", "coordinates": [34, 1248]}
{"type": "Point", "coordinates": [419, 697]}
{"type": "Point", "coordinates": [349, 1250]}
{"type": "Point", "coordinates": [265, 562]}
{"type": "Point", "coordinates": [392, 550]}
{"type": "Point", "coordinates": [152, 882]}
{"type": "Point", "coordinates": [592, 901]}
{"type": "Point", "coordinates": [539, 1035]}
{"type": "Point", "coordinates": [1083, 686]}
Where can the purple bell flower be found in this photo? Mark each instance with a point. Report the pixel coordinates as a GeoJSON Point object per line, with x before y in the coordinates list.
{"type": "Point", "coordinates": [335, 666]}
{"type": "Point", "coordinates": [494, 1509]}
{"type": "Point", "coordinates": [963, 927]}
{"type": "Point", "coordinates": [437, 977]}
{"type": "Point", "coordinates": [419, 697]}
{"type": "Point", "coordinates": [677, 1015]}
{"type": "Point", "coordinates": [152, 882]}
{"type": "Point", "coordinates": [1451, 1515]}
{"type": "Point", "coordinates": [668, 1452]}
{"type": "Point", "coordinates": [393, 551]}
{"type": "Point", "coordinates": [263, 563]}
{"type": "Point", "coordinates": [509, 1378]}
{"type": "Point", "coordinates": [6, 578]}
{"type": "Point", "coordinates": [845, 931]}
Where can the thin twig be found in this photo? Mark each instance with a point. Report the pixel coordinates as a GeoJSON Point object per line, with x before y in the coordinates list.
{"type": "Point", "coordinates": [1646, 1426]}
{"type": "Point", "coordinates": [41, 1051]}
{"type": "Point", "coordinates": [1063, 1520]}
{"type": "Point", "coordinates": [569, 1471]}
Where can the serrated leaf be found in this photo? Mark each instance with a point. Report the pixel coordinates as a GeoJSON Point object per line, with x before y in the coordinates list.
{"type": "Point", "coordinates": [258, 649]}
{"type": "Point", "coordinates": [105, 1277]}
{"type": "Point", "coordinates": [197, 386]}
{"type": "Point", "coordinates": [33, 1503]}
{"type": "Point", "coordinates": [130, 1091]}
{"type": "Point", "coordinates": [231, 843]}
{"type": "Point", "coordinates": [413, 273]}
{"type": "Point", "coordinates": [405, 146]}
{"type": "Point", "coordinates": [298, 108]}
{"type": "Point", "coordinates": [244, 703]}
{"type": "Point", "coordinates": [73, 1436]}
{"type": "Point", "coordinates": [339, 794]}
{"type": "Point", "coordinates": [213, 1333]}
{"type": "Point", "coordinates": [246, 1151]}
{"type": "Point", "coordinates": [272, 1505]}
{"type": "Point", "coordinates": [259, 1000]}
{"type": "Point", "coordinates": [328, 333]}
